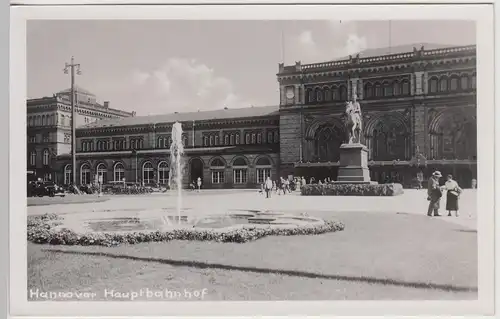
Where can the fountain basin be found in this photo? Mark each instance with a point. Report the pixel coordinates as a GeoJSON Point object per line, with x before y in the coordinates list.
{"type": "Point", "coordinates": [118, 227]}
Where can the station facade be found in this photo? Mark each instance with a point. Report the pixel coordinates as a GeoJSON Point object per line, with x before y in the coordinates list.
{"type": "Point", "coordinates": [419, 115]}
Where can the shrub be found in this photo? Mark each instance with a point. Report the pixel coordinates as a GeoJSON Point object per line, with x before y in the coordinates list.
{"type": "Point", "coordinates": [41, 231]}
{"type": "Point", "coordinates": [352, 190]}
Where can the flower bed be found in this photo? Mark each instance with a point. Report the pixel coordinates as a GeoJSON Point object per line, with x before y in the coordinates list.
{"type": "Point", "coordinates": [41, 230]}
{"type": "Point", "coordinates": [352, 190]}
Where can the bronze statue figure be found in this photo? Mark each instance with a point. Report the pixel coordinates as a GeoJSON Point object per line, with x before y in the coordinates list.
{"type": "Point", "coordinates": [354, 121]}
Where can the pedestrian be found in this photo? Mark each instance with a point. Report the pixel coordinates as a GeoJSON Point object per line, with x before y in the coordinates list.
{"type": "Point", "coordinates": [474, 183]}
{"type": "Point", "coordinates": [434, 194]}
{"type": "Point", "coordinates": [268, 187]}
{"type": "Point", "coordinates": [199, 183]}
{"type": "Point", "coordinates": [287, 186]}
{"type": "Point", "coordinates": [453, 192]}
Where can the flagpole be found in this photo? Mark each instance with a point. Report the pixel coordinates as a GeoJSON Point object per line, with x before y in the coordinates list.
{"type": "Point", "coordinates": [282, 46]}
{"type": "Point", "coordinates": [390, 37]}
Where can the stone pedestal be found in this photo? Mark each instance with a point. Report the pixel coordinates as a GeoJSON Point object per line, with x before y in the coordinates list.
{"type": "Point", "coordinates": [353, 165]}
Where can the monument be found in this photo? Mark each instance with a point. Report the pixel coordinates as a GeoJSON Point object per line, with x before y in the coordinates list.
{"type": "Point", "coordinates": [353, 167]}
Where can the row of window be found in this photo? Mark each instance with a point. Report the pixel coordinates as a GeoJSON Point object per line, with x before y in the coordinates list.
{"type": "Point", "coordinates": [165, 142]}
{"type": "Point", "coordinates": [33, 138]}
{"type": "Point", "coordinates": [386, 89]}
{"type": "Point", "coordinates": [326, 94]}
{"type": "Point", "coordinates": [453, 83]}
{"type": "Point", "coordinates": [45, 157]}
{"type": "Point", "coordinates": [217, 166]}
{"type": "Point", "coordinates": [105, 145]}
{"type": "Point", "coordinates": [234, 139]}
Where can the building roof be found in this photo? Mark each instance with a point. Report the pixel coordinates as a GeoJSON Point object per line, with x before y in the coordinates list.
{"type": "Point", "coordinates": [78, 89]}
{"type": "Point", "coordinates": [224, 114]}
{"type": "Point", "coordinates": [404, 48]}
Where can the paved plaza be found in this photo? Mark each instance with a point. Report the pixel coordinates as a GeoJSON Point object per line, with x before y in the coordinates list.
{"type": "Point", "coordinates": [220, 201]}
{"type": "Point", "coordinates": [389, 249]}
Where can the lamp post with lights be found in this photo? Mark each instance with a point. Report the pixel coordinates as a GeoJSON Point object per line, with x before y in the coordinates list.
{"type": "Point", "coordinates": [70, 68]}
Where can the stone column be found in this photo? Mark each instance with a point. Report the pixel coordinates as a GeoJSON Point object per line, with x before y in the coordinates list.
{"type": "Point", "coordinates": [419, 130]}
{"type": "Point", "coordinates": [282, 95]}
{"type": "Point", "coordinates": [418, 85]}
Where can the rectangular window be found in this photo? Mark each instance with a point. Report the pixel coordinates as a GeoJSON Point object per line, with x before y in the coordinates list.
{"type": "Point", "coordinates": [240, 176]}
{"type": "Point", "coordinates": [217, 177]}
{"type": "Point", "coordinates": [47, 177]}
{"type": "Point", "coordinates": [263, 174]}
{"type": "Point", "coordinates": [32, 139]}
{"type": "Point", "coordinates": [45, 138]}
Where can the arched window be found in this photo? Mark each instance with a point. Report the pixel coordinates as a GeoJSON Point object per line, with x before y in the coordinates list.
{"type": "Point", "coordinates": [378, 90]}
{"type": "Point", "coordinates": [328, 94]}
{"type": "Point", "coordinates": [269, 137]}
{"type": "Point", "coordinates": [387, 89]}
{"type": "Point", "coordinates": [396, 88]}
{"type": "Point", "coordinates": [259, 138]}
{"type": "Point", "coordinates": [118, 172]}
{"type": "Point", "coordinates": [217, 167]}
{"type": "Point", "coordinates": [406, 87]}
{"type": "Point", "coordinates": [169, 141]}
{"type": "Point", "coordinates": [247, 138]}
{"type": "Point", "coordinates": [319, 94]}
{"type": "Point", "coordinates": [226, 139]}
{"type": "Point", "coordinates": [147, 173]}
{"type": "Point", "coordinates": [433, 85]}
{"type": "Point", "coordinates": [443, 84]}
{"type": "Point", "coordinates": [32, 158]}
{"type": "Point", "coordinates": [163, 173]}
{"type": "Point", "coordinates": [464, 82]}
{"type": "Point", "coordinates": [335, 93]}
{"type": "Point", "coordinates": [185, 140]}
{"type": "Point", "coordinates": [368, 90]}
{"type": "Point", "coordinates": [309, 96]}
{"type": "Point", "coordinates": [85, 174]}
{"type": "Point", "coordinates": [161, 142]}
{"type": "Point", "coordinates": [46, 157]}
{"type": "Point", "coordinates": [132, 144]}
{"type": "Point", "coordinates": [454, 84]}
{"type": "Point", "coordinates": [276, 138]}
{"type": "Point", "coordinates": [237, 139]}
{"type": "Point", "coordinates": [254, 138]}
{"type": "Point", "coordinates": [216, 140]}
{"type": "Point", "coordinates": [99, 145]}
{"type": "Point", "coordinates": [240, 171]}
{"type": "Point", "coordinates": [101, 171]}
{"type": "Point", "coordinates": [231, 140]}
{"type": "Point", "coordinates": [327, 141]}
{"type": "Point", "coordinates": [473, 81]}
{"type": "Point", "coordinates": [68, 174]}
{"type": "Point", "coordinates": [211, 140]}
{"type": "Point", "coordinates": [263, 166]}
{"type": "Point", "coordinates": [205, 141]}
{"type": "Point", "coordinates": [343, 93]}
{"type": "Point", "coordinates": [390, 141]}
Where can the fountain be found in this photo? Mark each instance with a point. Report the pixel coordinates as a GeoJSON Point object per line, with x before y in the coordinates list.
{"type": "Point", "coordinates": [175, 177]}
{"type": "Point", "coordinates": [199, 222]}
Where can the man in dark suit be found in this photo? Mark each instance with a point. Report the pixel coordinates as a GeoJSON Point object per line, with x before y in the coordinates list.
{"type": "Point", "coordinates": [434, 194]}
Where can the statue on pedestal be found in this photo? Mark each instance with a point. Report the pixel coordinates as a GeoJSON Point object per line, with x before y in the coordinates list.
{"type": "Point", "coordinates": [354, 120]}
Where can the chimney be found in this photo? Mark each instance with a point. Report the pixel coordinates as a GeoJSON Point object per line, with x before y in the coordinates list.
{"type": "Point", "coordinates": [106, 104]}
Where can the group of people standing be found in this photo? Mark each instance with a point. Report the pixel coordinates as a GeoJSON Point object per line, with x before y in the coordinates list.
{"type": "Point", "coordinates": [435, 192]}
{"type": "Point", "coordinates": [283, 185]}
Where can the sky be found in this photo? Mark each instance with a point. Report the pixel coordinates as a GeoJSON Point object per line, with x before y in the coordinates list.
{"type": "Point", "coordinates": [164, 66]}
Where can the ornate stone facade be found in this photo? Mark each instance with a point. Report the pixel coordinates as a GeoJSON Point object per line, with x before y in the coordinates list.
{"type": "Point", "coordinates": [419, 113]}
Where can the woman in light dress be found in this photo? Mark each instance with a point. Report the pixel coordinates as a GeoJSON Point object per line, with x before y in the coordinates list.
{"type": "Point", "coordinates": [453, 192]}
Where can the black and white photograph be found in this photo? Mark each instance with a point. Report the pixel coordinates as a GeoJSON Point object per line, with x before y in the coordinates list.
{"type": "Point", "coordinates": [286, 159]}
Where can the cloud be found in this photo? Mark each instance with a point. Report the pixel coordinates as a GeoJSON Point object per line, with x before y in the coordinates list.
{"type": "Point", "coordinates": [184, 85]}
{"type": "Point", "coordinates": [343, 40]}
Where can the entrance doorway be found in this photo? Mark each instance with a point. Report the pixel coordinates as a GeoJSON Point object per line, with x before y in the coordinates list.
{"type": "Point", "coordinates": [195, 169]}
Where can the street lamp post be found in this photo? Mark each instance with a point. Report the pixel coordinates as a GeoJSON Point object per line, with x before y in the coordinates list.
{"type": "Point", "coordinates": [70, 67]}
{"type": "Point", "coordinates": [134, 152]}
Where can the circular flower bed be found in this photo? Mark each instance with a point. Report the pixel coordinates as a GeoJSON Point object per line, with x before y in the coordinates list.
{"type": "Point", "coordinates": [41, 230]}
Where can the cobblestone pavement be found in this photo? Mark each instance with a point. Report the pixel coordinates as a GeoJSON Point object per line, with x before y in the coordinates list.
{"type": "Point", "coordinates": [212, 201]}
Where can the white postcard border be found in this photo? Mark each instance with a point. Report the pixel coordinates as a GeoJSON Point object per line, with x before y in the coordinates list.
{"type": "Point", "coordinates": [485, 110]}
